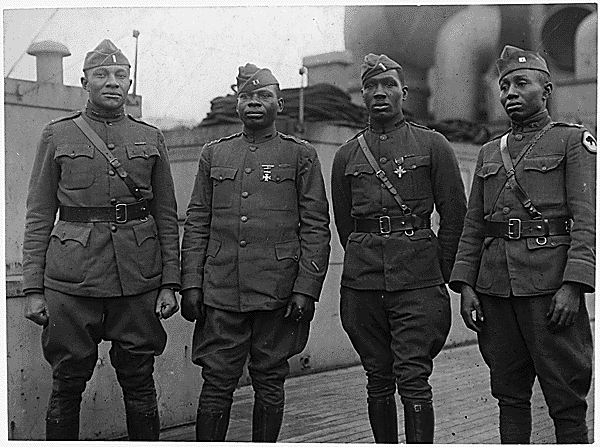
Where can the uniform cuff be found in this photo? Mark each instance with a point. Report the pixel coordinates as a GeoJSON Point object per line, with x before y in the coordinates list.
{"type": "Point", "coordinates": [308, 287]}
{"type": "Point", "coordinates": [33, 280]}
{"type": "Point", "coordinates": [170, 276]}
{"type": "Point", "coordinates": [462, 273]}
{"type": "Point", "coordinates": [582, 273]}
{"type": "Point", "coordinates": [191, 281]}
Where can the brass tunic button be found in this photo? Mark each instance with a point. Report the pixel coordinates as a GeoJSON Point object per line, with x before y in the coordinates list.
{"type": "Point", "coordinates": [242, 243]}
{"type": "Point", "coordinates": [506, 210]}
{"type": "Point", "coordinates": [110, 146]}
{"type": "Point", "coordinates": [244, 219]}
{"type": "Point", "coordinates": [296, 257]}
{"type": "Point", "coordinates": [245, 194]}
{"type": "Point", "coordinates": [383, 160]}
{"type": "Point", "coordinates": [111, 172]}
{"type": "Point", "coordinates": [113, 201]}
{"type": "Point", "coordinates": [248, 170]}
{"type": "Point", "coordinates": [544, 168]}
{"type": "Point", "coordinates": [113, 228]}
{"type": "Point", "coordinates": [383, 137]}
{"type": "Point", "coordinates": [382, 185]}
{"type": "Point", "coordinates": [518, 137]}
{"type": "Point", "coordinates": [384, 210]}
{"type": "Point", "coordinates": [253, 148]}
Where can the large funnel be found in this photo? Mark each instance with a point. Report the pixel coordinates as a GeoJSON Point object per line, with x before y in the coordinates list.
{"type": "Point", "coordinates": [586, 48]}
{"type": "Point", "coordinates": [559, 31]}
{"type": "Point", "coordinates": [466, 46]}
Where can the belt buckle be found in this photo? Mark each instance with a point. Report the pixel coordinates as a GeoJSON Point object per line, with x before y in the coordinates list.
{"type": "Point", "coordinates": [121, 212]}
{"type": "Point", "coordinates": [385, 225]}
{"type": "Point", "coordinates": [512, 234]}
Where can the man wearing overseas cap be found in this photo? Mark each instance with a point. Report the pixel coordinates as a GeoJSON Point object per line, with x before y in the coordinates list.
{"type": "Point", "coordinates": [394, 304]}
{"type": "Point", "coordinates": [526, 256]}
{"type": "Point", "coordinates": [106, 270]}
{"type": "Point", "coordinates": [255, 252]}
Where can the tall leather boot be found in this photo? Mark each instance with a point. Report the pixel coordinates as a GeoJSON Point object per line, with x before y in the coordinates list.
{"type": "Point", "coordinates": [569, 432]}
{"type": "Point", "coordinates": [383, 417]}
{"type": "Point", "coordinates": [266, 422]}
{"type": "Point", "coordinates": [62, 429]}
{"type": "Point", "coordinates": [419, 423]}
{"type": "Point", "coordinates": [212, 426]}
{"type": "Point", "coordinates": [143, 427]}
{"type": "Point", "coordinates": [515, 425]}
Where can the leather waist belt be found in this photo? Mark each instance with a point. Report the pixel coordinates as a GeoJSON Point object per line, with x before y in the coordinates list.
{"type": "Point", "coordinates": [516, 228]}
{"type": "Point", "coordinates": [387, 224]}
{"type": "Point", "coordinates": [120, 213]}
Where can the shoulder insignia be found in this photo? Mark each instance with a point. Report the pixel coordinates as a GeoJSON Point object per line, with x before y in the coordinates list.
{"type": "Point", "coordinates": [356, 135]}
{"type": "Point", "coordinates": [589, 142]}
{"type": "Point", "coordinates": [228, 137]}
{"type": "Point", "coordinates": [68, 117]}
{"type": "Point", "coordinates": [137, 120]}
{"type": "Point", "coordinates": [497, 137]}
{"type": "Point", "coordinates": [563, 124]}
{"type": "Point", "coordinates": [420, 126]}
{"type": "Point", "coordinates": [293, 138]}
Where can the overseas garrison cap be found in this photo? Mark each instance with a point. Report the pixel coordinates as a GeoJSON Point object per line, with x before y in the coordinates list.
{"type": "Point", "coordinates": [375, 64]}
{"type": "Point", "coordinates": [513, 58]}
{"type": "Point", "coordinates": [106, 53]}
{"type": "Point", "coordinates": [250, 78]}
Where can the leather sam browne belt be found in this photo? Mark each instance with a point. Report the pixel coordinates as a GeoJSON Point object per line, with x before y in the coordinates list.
{"type": "Point", "coordinates": [387, 224]}
{"type": "Point", "coordinates": [120, 213]}
{"type": "Point", "coordinates": [513, 229]}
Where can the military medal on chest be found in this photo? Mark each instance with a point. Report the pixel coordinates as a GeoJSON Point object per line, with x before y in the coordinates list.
{"type": "Point", "coordinates": [399, 171]}
{"type": "Point", "coordinates": [266, 173]}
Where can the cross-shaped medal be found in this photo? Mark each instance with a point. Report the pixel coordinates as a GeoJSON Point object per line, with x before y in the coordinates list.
{"type": "Point", "coordinates": [399, 171]}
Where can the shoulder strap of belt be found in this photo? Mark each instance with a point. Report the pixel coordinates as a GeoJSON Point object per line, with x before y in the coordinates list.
{"type": "Point", "coordinates": [114, 161]}
{"type": "Point", "coordinates": [511, 178]}
{"type": "Point", "coordinates": [381, 175]}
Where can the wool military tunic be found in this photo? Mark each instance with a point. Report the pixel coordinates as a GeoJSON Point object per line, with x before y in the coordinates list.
{"type": "Point", "coordinates": [422, 166]}
{"type": "Point", "coordinates": [559, 176]}
{"type": "Point", "coordinates": [100, 259]}
{"type": "Point", "coordinates": [257, 227]}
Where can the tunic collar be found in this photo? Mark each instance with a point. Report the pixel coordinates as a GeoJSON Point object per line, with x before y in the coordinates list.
{"type": "Point", "coordinates": [96, 113]}
{"type": "Point", "coordinates": [388, 127]}
{"type": "Point", "coordinates": [260, 135]}
{"type": "Point", "coordinates": [533, 123]}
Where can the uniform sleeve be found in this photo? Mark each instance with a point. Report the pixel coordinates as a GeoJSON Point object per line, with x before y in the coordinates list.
{"type": "Point", "coordinates": [42, 204]}
{"type": "Point", "coordinates": [580, 174]}
{"type": "Point", "coordinates": [196, 229]}
{"type": "Point", "coordinates": [450, 201]}
{"type": "Point", "coordinates": [341, 195]}
{"type": "Point", "coordinates": [164, 210]}
{"type": "Point", "coordinates": [466, 266]}
{"type": "Point", "coordinates": [315, 235]}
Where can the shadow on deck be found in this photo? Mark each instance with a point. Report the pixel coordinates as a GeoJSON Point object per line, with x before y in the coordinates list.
{"type": "Point", "coordinates": [330, 407]}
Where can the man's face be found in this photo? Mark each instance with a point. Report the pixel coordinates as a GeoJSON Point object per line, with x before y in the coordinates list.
{"type": "Point", "coordinates": [383, 95]}
{"type": "Point", "coordinates": [259, 108]}
{"type": "Point", "coordinates": [523, 93]}
{"type": "Point", "coordinates": [107, 86]}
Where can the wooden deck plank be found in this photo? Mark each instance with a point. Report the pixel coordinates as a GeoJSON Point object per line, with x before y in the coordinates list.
{"type": "Point", "coordinates": [330, 407]}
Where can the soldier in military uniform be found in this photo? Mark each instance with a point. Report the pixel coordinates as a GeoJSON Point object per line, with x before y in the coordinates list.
{"type": "Point", "coordinates": [394, 304]}
{"type": "Point", "coordinates": [107, 268]}
{"type": "Point", "coordinates": [254, 256]}
{"type": "Point", "coordinates": [526, 256]}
